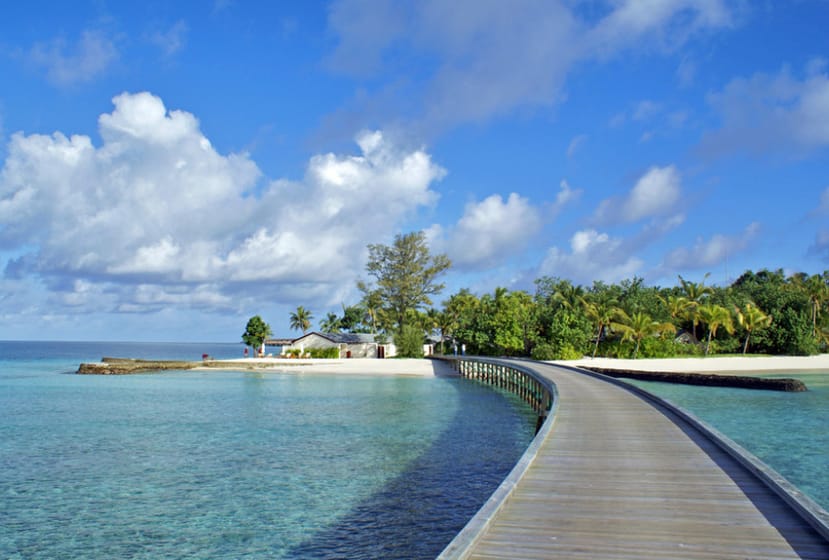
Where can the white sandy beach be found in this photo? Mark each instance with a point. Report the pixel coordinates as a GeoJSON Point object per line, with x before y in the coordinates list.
{"type": "Point", "coordinates": [735, 365]}
{"type": "Point", "coordinates": [351, 366]}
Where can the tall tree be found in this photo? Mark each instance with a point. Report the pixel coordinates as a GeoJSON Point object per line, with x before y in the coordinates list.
{"type": "Point", "coordinates": [751, 318]}
{"type": "Point", "coordinates": [331, 323]}
{"type": "Point", "coordinates": [601, 311]}
{"type": "Point", "coordinates": [405, 275]}
{"type": "Point", "coordinates": [715, 316]}
{"type": "Point", "coordinates": [639, 325]}
{"type": "Point", "coordinates": [256, 331]}
{"type": "Point", "coordinates": [695, 292]}
{"type": "Point", "coordinates": [301, 319]}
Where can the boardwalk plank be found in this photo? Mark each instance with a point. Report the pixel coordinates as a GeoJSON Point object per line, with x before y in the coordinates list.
{"type": "Point", "coordinates": [618, 478]}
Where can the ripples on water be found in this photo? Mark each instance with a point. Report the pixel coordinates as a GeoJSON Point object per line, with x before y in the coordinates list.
{"type": "Point", "coordinates": [242, 464]}
{"type": "Point", "coordinates": [787, 431]}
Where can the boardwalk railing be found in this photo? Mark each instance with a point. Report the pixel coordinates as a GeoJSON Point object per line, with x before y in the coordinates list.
{"type": "Point", "coordinates": [533, 389]}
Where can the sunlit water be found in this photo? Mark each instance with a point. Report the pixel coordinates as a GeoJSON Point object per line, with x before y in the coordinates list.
{"type": "Point", "coordinates": [787, 431]}
{"type": "Point", "coordinates": [214, 464]}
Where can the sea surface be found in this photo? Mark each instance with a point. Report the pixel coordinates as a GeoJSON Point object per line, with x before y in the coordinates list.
{"type": "Point", "coordinates": [215, 464]}
{"type": "Point", "coordinates": [787, 431]}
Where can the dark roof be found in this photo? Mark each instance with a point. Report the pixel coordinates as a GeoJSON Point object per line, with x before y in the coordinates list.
{"type": "Point", "coordinates": [342, 338]}
{"type": "Point", "coordinates": [278, 341]}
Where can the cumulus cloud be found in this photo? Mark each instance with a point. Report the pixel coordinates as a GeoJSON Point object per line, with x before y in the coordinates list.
{"type": "Point", "coordinates": [156, 215]}
{"type": "Point", "coordinates": [593, 256]}
{"type": "Point", "coordinates": [68, 63]}
{"type": "Point", "coordinates": [494, 57]}
{"type": "Point", "coordinates": [655, 194]}
{"type": "Point", "coordinates": [772, 113]}
{"type": "Point", "coordinates": [489, 231]}
{"type": "Point", "coordinates": [711, 252]}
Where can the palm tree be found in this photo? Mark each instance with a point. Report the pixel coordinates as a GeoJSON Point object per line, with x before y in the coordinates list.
{"type": "Point", "coordinates": [695, 292]}
{"type": "Point", "coordinates": [638, 326]}
{"type": "Point", "coordinates": [567, 295]}
{"type": "Point", "coordinates": [677, 306]}
{"type": "Point", "coordinates": [751, 318]}
{"type": "Point", "coordinates": [331, 323]}
{"type": "Point", "coordinates": [715, 316]}
{"type": "Point", "coordinates": [817, 291]}
{"type": "Point", "coordinates": [301, 319]}
{"type": "Point", "coordinates": [602, 312]}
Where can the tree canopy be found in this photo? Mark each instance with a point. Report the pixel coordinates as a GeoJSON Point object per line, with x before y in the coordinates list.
{"type": "Point", "coordinates": [256, 332]}
{"type": "Point", "coordinates": [405, 277]}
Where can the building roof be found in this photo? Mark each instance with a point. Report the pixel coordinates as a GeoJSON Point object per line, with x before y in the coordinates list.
{"type": "Point", "coordinates": [341, 338]}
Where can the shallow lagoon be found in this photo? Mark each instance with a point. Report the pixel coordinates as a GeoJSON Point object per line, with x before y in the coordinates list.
{"type": "Point", "coordinates": [241, 464]}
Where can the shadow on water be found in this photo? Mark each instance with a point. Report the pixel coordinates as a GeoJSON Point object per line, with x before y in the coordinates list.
{"type": "Point", "coordinates": [418, 513]}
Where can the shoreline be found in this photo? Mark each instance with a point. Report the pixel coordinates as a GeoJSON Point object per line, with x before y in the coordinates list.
{"type": "Point", "coordinates": [720, 365]}
{"type": "Point", "coordinates": [731, 365]}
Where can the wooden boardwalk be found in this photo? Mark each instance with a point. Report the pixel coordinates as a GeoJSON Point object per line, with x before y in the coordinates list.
{"type": "Point", "coordinates": [617, 477]}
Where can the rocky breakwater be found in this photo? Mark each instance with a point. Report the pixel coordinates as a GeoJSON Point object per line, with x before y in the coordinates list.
{"type": "Point", "coordinates": [124, 366]}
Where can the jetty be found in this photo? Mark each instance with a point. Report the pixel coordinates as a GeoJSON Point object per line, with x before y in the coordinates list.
{"type": "Point", "coordinates": [617, 473]}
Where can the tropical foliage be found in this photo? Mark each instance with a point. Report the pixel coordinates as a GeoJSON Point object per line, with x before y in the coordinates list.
{"type": "Point", "coordinates": [256, 331]}
{"type": "Point", "coordinates": [766, 312]}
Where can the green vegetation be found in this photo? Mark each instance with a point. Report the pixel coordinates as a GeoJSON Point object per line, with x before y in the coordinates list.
{"type": "Point", "coordinates": [409, 342]}
{"type": "Point", "coordinates": [405, 276]}
{"type": "Point", "coordinates": [766, 312]}
{"type": "Point", "coordinates": [323, 353]}
{"type": "Point", "coordinates": [301, 319]}
{"type": "Point", "coordinates": [256, 332]}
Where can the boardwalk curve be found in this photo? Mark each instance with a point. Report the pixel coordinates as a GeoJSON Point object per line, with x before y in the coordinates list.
{"type": "Point", "coordinates": [612, 475]}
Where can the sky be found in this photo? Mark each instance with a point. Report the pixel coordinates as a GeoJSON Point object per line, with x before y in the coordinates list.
{"type": "Point", "coordinates": [169, 169]}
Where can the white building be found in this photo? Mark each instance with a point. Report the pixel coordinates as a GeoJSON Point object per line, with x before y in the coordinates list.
{"type": "Point", "coordinates": [351, 345]}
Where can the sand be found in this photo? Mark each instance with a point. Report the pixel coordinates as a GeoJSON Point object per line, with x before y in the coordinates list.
{"type": "Point", "coordinates": [351, 366]}
{"type": "Point", "coordinates": [734, 365]}
{"type": "Point", "coordinates": [760, 365]}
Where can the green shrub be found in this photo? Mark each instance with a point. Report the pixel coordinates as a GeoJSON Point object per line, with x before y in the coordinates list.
{"type": "Point", "coordinates": [409, 342]}
{"type": "Point", "coordinates": [546, 351]}
{"type": "Point", "coordinates": [324, 353]}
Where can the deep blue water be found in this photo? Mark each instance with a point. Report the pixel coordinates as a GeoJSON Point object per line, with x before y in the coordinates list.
{"type": "Point", "coordinates": [787, 431]}
{"type": "Point", "coordinates": [211, 464]}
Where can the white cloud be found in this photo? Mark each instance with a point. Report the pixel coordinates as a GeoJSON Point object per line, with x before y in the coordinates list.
{"type": "Point", "coordinates": [593, 256]}
{"type": "Point", "coordinates": [823, 207]}
{"type": "Point", "coordinates": [67, 64]}
{"type": "Point", "coordinates": [490, 231]}
{"type": "Point", "coordinates": [170, 40]}
{"type": "Point", "coordinates": [494, 57]}
{"type": "Point", "coordinates": [566, 195]}
{"type": "Point", "coordinates": [711, 252]}
{"type": "Point", "coordinates": [646, 110]}
{"type": "Point", "coordinates": [769, 113]}
{"type": "Point", "coordinates": [575, 144]}
{"type": "Point", "coordinates": [820, 247]}
{"type": "Point", "coordinates": [656, 193]}
{"type": "Point", "coordinates": [157, 210]}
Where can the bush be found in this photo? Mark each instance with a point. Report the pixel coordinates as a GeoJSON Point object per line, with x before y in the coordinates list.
{"type": "Point", "coordinates": [324, 353]}
{"type": "Point", "coordinates": [409, 342]}
{"type": "Point", "coordinates": [546, 351]}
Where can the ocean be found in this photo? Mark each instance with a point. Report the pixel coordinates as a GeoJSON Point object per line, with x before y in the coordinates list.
{"type": "Point", "coordinates": [224, 464]}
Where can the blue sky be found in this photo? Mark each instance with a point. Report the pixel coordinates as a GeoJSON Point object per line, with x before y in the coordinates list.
{"type": "Point", "coordinates": [171, 168]}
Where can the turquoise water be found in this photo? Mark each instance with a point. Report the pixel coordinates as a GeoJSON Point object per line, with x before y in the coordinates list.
{"type": "Point", "coordinates": [787, 431]}
{"type": "Point", "coordinates": [240, 464]}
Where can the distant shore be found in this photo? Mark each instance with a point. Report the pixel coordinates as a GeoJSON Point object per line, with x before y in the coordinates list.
{"type": "Point", "coordinates": [726, 365]}
{"type": "Point", "coordinates": [732, 365]}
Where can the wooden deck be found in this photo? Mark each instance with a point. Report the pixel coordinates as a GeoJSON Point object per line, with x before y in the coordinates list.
{"type": "Point", "coordinates": [616, 477]}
